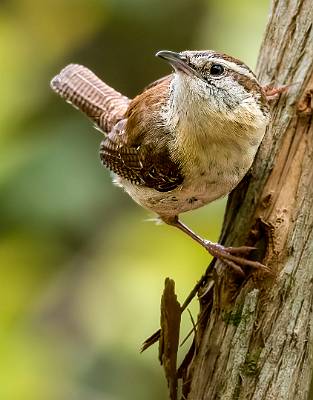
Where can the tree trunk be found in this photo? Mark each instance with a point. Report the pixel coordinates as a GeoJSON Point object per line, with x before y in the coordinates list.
{"type": "Point", "coordinates": [254, 337]}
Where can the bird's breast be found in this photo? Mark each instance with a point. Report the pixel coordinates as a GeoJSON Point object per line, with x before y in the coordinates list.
{"type": "Point", "coordinates": [212, 160]}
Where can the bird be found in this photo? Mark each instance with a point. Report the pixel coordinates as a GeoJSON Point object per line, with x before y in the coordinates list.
{"type": "Point", "coordinates": [186, 140]}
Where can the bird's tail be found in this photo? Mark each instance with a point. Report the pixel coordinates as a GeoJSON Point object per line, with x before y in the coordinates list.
{"type": "Point", "coordinates": [85, 91]}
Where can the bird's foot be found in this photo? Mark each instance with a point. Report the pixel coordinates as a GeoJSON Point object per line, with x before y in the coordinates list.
{"type": "Point", "coordinates": [235, 257]}
{"type": "Point", "coordinates": [272, 92]}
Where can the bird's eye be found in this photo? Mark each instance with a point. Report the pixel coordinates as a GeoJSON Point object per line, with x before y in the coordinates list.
{"type": "Point", "coordinates": [216, 69]}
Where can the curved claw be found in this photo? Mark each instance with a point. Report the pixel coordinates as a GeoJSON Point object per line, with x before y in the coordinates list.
{"type": "Point", "coordinates": [237, 270]}
{"type": "Point", "coordinates": [226, 254]}
{"type": "Point", "coordinates": [240, 250]}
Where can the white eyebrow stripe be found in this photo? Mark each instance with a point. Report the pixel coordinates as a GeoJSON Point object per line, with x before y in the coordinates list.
{"type": "Point", "coordinates": [235, 67]}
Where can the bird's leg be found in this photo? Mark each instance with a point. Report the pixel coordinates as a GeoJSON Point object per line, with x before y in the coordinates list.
{"type": "Point", "coordinates": [232, 256]}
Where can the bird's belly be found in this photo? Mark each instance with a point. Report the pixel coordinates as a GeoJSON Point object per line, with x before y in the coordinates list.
{"type": "Point", "coordinates": [192, 194]}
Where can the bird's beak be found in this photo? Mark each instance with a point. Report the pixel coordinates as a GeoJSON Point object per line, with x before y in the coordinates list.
{"type": "Point", "coordinates": [178, 61]}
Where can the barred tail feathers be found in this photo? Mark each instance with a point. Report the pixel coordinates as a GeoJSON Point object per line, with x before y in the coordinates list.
{"type": "Point", "coordinates": [85, 91]}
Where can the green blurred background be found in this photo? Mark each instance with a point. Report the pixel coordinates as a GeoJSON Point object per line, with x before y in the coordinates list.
{"type": "Point", "coordinates": [81, 269]}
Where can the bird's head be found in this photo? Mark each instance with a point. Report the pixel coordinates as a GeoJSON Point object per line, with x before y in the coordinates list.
{"type": "Point", "coordinates": [218, 84]}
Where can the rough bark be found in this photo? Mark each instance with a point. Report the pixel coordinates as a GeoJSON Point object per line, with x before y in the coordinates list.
{"type": "Point", "coordinates": [255, 341]}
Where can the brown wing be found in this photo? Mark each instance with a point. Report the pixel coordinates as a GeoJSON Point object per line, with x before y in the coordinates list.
{"type": "Point", "coordinates": [159, 81]}
{"type": "Point", "coordinates": [132, 148]}
{"type": "Point", "coordinates": [83, 89]}
{"type": "Point", "coordinates": [143, 164]}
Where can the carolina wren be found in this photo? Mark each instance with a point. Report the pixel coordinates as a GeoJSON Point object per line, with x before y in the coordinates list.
{"type": "Point", "coordinates": [186, 140]}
